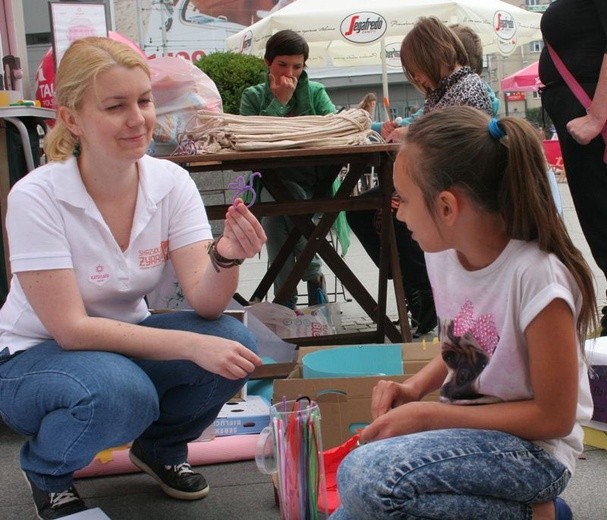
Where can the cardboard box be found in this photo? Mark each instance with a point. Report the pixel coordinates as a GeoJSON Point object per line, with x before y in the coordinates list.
{"type": "Point", "coordinates": [345, 403]}
{"type": "Point", "coordinates": [238, 417]}
{"type": "Point", "coordinates": [595, 434]}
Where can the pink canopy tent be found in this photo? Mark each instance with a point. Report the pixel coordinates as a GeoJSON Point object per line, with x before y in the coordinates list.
{"type": "Point", "coordinates": [525, 80]}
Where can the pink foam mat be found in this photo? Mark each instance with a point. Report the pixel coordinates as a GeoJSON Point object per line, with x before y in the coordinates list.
{"type": "Point", "coordinates": [221, 449]}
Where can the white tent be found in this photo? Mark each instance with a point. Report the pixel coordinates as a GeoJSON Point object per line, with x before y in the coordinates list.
{"type": "Point", "coordinates": [360, 32]}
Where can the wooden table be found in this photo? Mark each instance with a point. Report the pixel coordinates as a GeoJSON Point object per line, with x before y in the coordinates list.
{"type": "Point", "coordinates": [360, 160]}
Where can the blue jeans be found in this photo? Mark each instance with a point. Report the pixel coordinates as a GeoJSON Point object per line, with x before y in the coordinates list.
{"type": "Point", "coordinates": [448, 474]}
{"type": "Point", "coordinates": [74, 404]}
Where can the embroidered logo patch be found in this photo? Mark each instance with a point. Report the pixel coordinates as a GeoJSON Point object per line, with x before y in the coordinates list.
{"type": "Point", "coordinates": [99, 277]}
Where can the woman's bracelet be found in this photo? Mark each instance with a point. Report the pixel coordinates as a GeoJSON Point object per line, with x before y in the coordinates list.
{"type": "Point", "coordinates": [217, 260]}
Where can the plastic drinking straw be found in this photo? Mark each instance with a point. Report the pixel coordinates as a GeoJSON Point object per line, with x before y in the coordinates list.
{"type": "Point", "coordinates": [321, 483]}
{"type": "Point", "coordinates": [283, 479]}
{"type": "Point", "coordinates": [292, 464]}
{"type": "Point", "coordinates": [312, 467]}
{"type": "Point", "coordinates": [280, 449]}
{"type": "Point", "coordinates": [301, 465]}
{"type": "Point", "coordinates": [312, 509]}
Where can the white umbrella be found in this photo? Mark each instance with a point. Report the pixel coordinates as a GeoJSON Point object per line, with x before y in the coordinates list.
{"type": "Point", "coordinates": [360, 32]}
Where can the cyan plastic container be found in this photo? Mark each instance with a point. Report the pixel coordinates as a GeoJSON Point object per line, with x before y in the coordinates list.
{"type": "Point", "coordinates": [354, 361]}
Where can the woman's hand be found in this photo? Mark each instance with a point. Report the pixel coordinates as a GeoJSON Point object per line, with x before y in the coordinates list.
{"type": "Point", "coordinates": [584, 129]}
{"type": "Point", "coordinates": [283, 88]}
{"type": "Point", "coordinates": [243, 235]}
{"type": "Point", "coordinates": [224, 357]}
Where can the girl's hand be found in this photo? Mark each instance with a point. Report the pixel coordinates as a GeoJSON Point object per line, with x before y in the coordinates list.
{"type": "Point", "coordinates": [225, 357]}
{"type": "Point", "coordinates": [243, 236]}
{"type": "Point", "coordinates": [389, 403]}
{"type": "Point", "coordinates": [387, 128]}
{"type": "Point", "coordinates": [398, 135]}
{"type": "Point", "coordinates": [584, 129]}
{"type": "Point", "coordinates": [407, 418]}
{"type": "Point", "coordinates": [388, 395]}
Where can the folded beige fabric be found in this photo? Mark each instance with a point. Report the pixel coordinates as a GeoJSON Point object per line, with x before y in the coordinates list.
{"type": "Point", "coordinates": [210, 132]}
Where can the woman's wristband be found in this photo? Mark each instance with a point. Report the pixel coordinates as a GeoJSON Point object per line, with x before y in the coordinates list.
{"type": "Point", "coordinates": [218, 261]}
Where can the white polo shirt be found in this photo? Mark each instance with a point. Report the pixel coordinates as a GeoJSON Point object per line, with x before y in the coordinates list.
{"type": "Point", "coordinates": [53, 223]}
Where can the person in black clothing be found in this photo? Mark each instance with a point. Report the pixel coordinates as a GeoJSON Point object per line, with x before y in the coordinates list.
{"type": "Point", "coordinates": [577, 31]}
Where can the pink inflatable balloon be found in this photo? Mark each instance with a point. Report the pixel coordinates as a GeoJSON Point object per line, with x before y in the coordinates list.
{"type": "Point", "coordinates": [125, 39]}
{"type": "Point", "coordinates": [45, 78]}
{"type": "Point", "coordinates": [45, 74]}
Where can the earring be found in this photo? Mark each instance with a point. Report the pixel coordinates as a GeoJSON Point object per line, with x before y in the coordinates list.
{"type": "Point", "coordinates": [76, 152]}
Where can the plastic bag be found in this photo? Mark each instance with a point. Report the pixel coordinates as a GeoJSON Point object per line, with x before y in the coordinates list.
{"type": "Point", "coordinates": [180, 89]}
{"type": "Point", "coordinates": [318, 320]}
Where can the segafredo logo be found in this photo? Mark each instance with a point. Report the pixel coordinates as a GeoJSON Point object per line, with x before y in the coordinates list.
{"type": "Point", "coordinates": [247, 43]}
{"type": "Point", "coordinates": [365, 27]}
{"type": "Point", "coordinates": [393, 55]}
{"type": "Point", "coordinates": [504, 25]}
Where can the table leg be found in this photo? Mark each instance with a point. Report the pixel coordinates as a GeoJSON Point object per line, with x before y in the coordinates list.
{"type": "Point", "coordinates": [389, 261]}
{"type": "Point", "coordinates": [317, 242]}
{"type": "Point", "coordinates": [399, 290]}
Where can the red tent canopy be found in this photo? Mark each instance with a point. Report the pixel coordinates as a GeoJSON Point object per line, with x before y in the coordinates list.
{"type": "Point", "coordinates": [525, 80]}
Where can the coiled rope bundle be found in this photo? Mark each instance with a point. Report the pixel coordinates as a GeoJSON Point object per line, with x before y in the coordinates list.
{"type": "Point", "coordinates": [210, 132]}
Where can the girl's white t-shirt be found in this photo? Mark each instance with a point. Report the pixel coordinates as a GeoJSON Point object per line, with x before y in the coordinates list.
{"type": "Point", "coordinates": [483, 315]}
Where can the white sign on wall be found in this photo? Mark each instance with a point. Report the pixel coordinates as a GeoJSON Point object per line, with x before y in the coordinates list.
{"type": "Point", "coordinates": [71, 21]}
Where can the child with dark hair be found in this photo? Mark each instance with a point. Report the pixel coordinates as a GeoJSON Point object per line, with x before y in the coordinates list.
{"type": "Point", "coordinates": [287, 92]}
{"type": "Point", "coordinates": [515, 300]}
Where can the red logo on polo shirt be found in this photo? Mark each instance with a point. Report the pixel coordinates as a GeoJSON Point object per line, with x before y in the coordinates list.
{"type": "Point", "coordinates": [154, 256]}
{"type": "Point", "coordinates": [100, 276]}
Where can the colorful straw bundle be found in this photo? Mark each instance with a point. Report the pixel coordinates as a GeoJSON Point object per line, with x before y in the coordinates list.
{"type": "Point", "coordinates": [298, 452]}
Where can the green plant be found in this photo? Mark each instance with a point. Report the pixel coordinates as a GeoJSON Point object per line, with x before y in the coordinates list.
{"type": "Point", "coordinates": [232, 73]}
